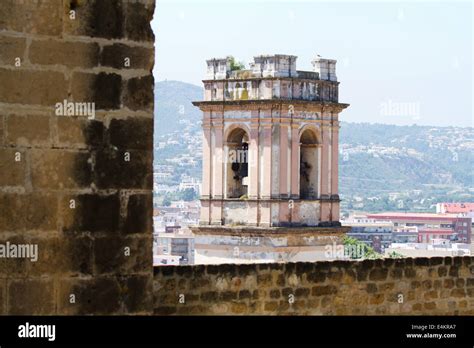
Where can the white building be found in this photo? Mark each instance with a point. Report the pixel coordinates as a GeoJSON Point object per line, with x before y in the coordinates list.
{"type": "Point", "coordinates": [436, 247]}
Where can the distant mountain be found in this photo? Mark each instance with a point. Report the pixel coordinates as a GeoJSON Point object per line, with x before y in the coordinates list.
{"type": "Point", "coordinates": [394, 157]}
{"type": "Point", "coordinates": [377, 162]}
{"type": "Point", "coordinates": [173, 103]}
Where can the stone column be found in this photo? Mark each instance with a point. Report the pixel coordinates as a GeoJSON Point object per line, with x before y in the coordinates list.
{"type": "Point", "coordinates": [284, 162]}
{"type": "Point", "coordinates": [206, 161]}
{"type": "Point", "coordinates": [325, 162]}
{"type": "Point", "coordinates": [325, 168]}
{"type": "Point", "coordinates": [295, 161]}
{"type": "Point", "coordinates": [254, 173]}
{"type": "Point", "coordinates": [218, 162]}
{"type": "Point", "coordinates": [265, 207]}
{"type": "Point", "coordinates": [335, 173]}
{"type": "Point", "coordinates": [335, 163]}
{"type": "Point", "coordinates": [319, 169]}
{"type": "Point", "coordinates": [218, 174]}
{"type": "Point", "coordinates": [206, 171]}
{"type": "Point", "coordinates": [267, 161]}
{"type": "Point", "coordinates": [254, 162]}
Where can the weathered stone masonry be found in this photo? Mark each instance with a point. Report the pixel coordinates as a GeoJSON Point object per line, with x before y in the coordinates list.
{"type": "Point", "coordinates": [50, 163]}
{"type": "Point", "coordinates": [443, 286]}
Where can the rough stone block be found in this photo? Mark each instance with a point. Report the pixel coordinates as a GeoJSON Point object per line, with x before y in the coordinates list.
{"type": "Point", "coordinates": [264, 280]}
{"type": "Point", "coordinates": [244, 294]}
{"type": "Point", "coordinates": [139, 93]}
{"type": "Point", "coordinates": [132, 133]}
{"type": "Point", "coordinates": [138, 17]}
{"type": "Point", "coordinates": [12, 206]}
{"type": "Point", "coordinates": [95, 18]}
{"type": "Point", "coordinates": [238, 308]}
{"type": "Point", "coordinates": [14, 267]}
{"type": "Point", "coordinates": [271, 306]}
{"type": "Point", "coordinates": [302, 292]}
{"type": "Point", "coordinates": [78, 131]}
{"type": "Point", "coordinates": [32, 87]}
{"type": "Point", "coordinates": [442, 271]}
{"type": "Point", "coordinates": [12, 167]}
{"type": "Point", "coordinates": [70, 54]}
{"type": "Point", "coordinates": [12, 48]}
{"type": "Point", "coordinates": [70, 254]}
{"type": "Point", "coordinates": [228, 295]}
{"type": "Point", "coordinates": [35, 17]}
{"type": "Point", "coordinates": [209, 296]}
{"type": "Point", "coordinates": [36, 211]}
{"type": "Point", "coordinates": [130, 255]}
{"type": "Point", "coordinates": [28, 130]}
{"type": "Point", "coordinates": [92, 213]}
{"type": "Point", "coordinates": [136, 294]}
{"type": "Point", "coordinates": [378, 274]}
{"type": "Point", "coordinates": [323, 290]}
{"type": "Point", "coordinates": [41, 211]}
{"type": "Point", "coordinates": [316, 277]}
{"type": "Point", "coordinates": [31, 297]}
{"type": "Point", "coordinates": [139, 214]}
{"type": "Point", "coordinates": [99, 295]}
{"type": "Point", "coordinates": [112, 170]}
{"type": "Point", "coordinates": [138, 57]}
{"type": "Point", "coordinates": [60, 169]}
{"type": "Point", "coordinates": [102, 89]}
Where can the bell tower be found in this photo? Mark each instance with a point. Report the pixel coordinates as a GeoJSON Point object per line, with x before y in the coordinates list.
{"type": "Point", "coordinates": [270, 160]}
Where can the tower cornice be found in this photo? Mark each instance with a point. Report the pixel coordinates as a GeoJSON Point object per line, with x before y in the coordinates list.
{"type": "Point", "coordinates": [269, 103]}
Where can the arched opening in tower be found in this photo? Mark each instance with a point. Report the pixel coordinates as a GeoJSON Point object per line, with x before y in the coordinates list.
{"type": "Point", "coordinates": [309, 165]}
{"type": "Point", "coordinates": [237, 164]}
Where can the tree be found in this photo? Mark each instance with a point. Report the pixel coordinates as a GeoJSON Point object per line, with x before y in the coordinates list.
{"type": "Point", "coordinates": [166, 201]}
{"type": "Point", "coordinates": [188, 195]}
{"type": "Point", "coordinates": [366, 251]}
{"type": "Point", "coordinates": [395, 255]}
{"type": "Point", "coordinates": [236, 65]}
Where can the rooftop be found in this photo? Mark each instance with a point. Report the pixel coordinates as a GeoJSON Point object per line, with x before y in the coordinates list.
{"type": "Point", "coordinates": [412, 215]}
{"type": "Point", "coordinates": [458, 207]}
{"type": "Point", "coordinates": [270, 66]}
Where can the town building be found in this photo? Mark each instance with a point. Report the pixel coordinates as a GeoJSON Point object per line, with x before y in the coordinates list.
{"type": "Point", "coordinates": [405, 234]}
{"type": "Point", "coordinates": [178, 215]}
{"type": "Point", "coordinates": [431, 226]}
{"type": "Point", "coordinates": [173, 242]}
{"type": "Point", "coordinates": [463, 209]}
{"type": "Point", "coordinates": [177, 245]}
{"type": "Point", "coordinates": [376, 234]}
{"type": "Point", "coordinates": [436, 247]}
{"type": "Point", "coordinates": [188, 182]}
{"type": "Point", "coordinates": [270, 160]}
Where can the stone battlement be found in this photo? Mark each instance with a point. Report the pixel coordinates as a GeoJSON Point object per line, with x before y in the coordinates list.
{"type": "Point", "coordinates": [270, 77]}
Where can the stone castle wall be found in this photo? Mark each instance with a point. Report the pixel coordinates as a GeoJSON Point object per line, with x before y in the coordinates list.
{"type": "Point", "coordinates": [79, 188]}
{"type": "Point", "coordinates": [430, 286]}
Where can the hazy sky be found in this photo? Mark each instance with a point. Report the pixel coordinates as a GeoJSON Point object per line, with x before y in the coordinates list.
{"type": "Point", "coordinates": [398, 62]}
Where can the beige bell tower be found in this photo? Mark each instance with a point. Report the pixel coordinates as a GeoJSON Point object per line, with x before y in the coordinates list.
{"type": "Point", "coordinates": [270, 159]}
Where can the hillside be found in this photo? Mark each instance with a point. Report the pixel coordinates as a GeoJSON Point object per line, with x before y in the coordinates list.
{"type": "Point", "coordinates": [381, 166]}
{"type": "Point", "coordinates": [173, 103]}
